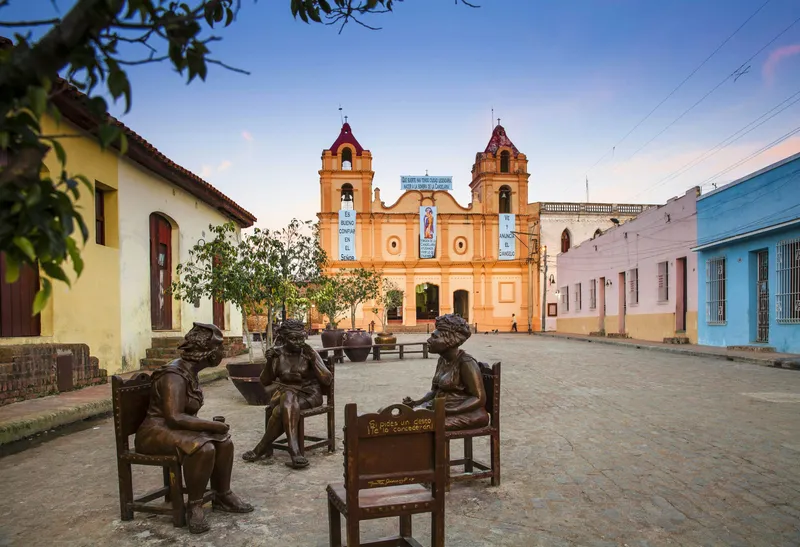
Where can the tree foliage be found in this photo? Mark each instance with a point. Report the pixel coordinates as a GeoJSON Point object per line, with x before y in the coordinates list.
{"type": "Point", "coordinates": [90, 46]}
{"type": "Point", "coordinates": [357, 286]}
{"type": "Point", "coordinates": [326, 297]}
{"type": "Point", "coordinates": [390, 296]}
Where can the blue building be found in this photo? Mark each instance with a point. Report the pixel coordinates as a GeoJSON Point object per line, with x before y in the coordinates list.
{"type": "Point", "coordinates": [748, 245]}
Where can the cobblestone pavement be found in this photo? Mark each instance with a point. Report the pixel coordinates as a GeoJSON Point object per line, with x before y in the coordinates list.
{"type": "Point", "coordinates": [601, 446]}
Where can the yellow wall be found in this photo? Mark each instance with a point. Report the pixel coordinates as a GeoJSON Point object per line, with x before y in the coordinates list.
{"type": "Point", "coordinates": [653, 327]}
{"type": "Point", "coordinates": [89, 312]}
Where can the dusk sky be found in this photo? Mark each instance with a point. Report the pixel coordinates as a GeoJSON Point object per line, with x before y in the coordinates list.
{"type": "Point", "coordinates": [568, 79]}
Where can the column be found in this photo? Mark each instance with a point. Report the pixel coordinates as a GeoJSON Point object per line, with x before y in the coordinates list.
{"type": "Point", "coordinates": [445, 295]}
{"type": "Point", "coordinates": [444, 240]}
{"type": "Point", "coordinates": [410, 309]}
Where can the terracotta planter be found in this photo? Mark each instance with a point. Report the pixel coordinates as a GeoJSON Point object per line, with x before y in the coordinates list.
{"type": "Point", "coordinates": [245, 376]}
{"type": "Point", "coordinates": [386, 338]}
{"type": "Point", "coordinates": [332, 338]}
{"type": "Point", "coordinates": [351, 341]}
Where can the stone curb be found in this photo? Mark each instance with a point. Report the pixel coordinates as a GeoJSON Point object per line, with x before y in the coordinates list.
{"type": "Point", "coordinates": [677, 350]}
{"type": "Point", "coordinates": [16, 430]}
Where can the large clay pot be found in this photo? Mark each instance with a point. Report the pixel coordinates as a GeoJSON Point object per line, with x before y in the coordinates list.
{"type": "Point", "coordinates": [245, 376]}
{"type": "Point", "coordinates": [386, 338]}
{"type": "Point", "coordinates": [332, 338]}
{"type": "Point", "coordinates": [351, 341]}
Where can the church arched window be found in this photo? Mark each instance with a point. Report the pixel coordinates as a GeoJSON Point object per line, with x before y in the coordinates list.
{"type": "Point", "coordinates": [347, 159]}
{"type": "Point", "coordinates": [505, 162]}
{"type": "Point", "coordinates": [566, 241]}
{"type": "Point", "coordinates": [347, 196]}
{"type": "Point", "coordinates": [505, 200]}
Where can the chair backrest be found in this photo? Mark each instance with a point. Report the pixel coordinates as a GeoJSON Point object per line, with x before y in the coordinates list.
{"type": "Point", "coordinates": [130, 399]}
{"type": "Point", "coordinates": [329, 390]}
{"type": "Point", "coordinates": [491, 385]}
{"type": "Point", "coordinates": [396, 446]}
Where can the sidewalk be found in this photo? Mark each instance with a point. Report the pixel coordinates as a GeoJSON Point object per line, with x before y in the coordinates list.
{"type": "Point", "coordinates": [27, 418]}
{"type": "Point", "coordinates": [766, 359]}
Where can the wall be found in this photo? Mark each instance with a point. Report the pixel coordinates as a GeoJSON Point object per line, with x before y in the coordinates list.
{"type": "Point", "coordinates": [88, 312]}
{"type": "Point", "coordinates": [143, 193]}
{"type": "Point", "coordinates": [656, 235]}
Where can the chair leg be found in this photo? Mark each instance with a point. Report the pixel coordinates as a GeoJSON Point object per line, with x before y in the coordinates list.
{"type": "Point", "coordinates": [301, 436]}
{"type": "Point", "coordinates": [447, 465]}
{"type": "Point", "coordinates": [176, 495]}
{"type": "Point", "coordinates": [353, 532]}
{"type": "Point", "coordinates": [437, 528]}
{"type": "Point", "coordinates": [331, 431]}
{"type": "Point", "coordinates": [495, 462]}
{"type": "Point", "coordinates": [334, 525]}
{"type": "Point", "coordinates": [167, 496]}
{"type": "Point", "coordinates": [405, 526]}
{"type": "Point", "coordinates": [468, 455]}
{"type": "Point", "coordinates": [125, 490]}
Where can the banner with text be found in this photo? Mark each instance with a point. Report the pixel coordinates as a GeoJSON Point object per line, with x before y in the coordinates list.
{"type": "Point", "coordinates": [508, 247]}
{"type": "Point", "coordinates": [427, 231]}
{"type": "Point", "coordinates": [426, 183]}
{"type": "Point", "coordinates": [347, 234]}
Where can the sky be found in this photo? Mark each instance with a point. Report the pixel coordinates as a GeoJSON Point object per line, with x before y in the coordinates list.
{"type": "Point", "coordinates": [569, 80]}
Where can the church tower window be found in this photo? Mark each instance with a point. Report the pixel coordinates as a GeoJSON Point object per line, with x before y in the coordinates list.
{"type": "Point", "coordinates": [505, 200]}
{"type": "Point", "coordinates": [347, 159]}
{"type": "Point", "coordinates": [505, 161]}
{"type": "Point", "coordinates": [566, 241]}
{"type": "Point", "coordinates": [347, 197]}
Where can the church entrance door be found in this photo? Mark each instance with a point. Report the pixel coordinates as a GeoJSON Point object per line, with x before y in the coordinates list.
{"type": "Point", "coordinates": [427, 296]}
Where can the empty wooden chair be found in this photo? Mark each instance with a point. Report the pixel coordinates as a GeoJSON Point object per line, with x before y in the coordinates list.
{"type": "Point", "coordinates": [130, 399]}
{"type": "Point", "coordinates": [474, 469]}
{"type": "Point", "coordinates": [328, 408]}
{"type": "Point", "coordinates": [388, 457]}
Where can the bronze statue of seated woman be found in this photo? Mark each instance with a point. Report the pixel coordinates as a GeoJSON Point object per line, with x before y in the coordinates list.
{"type": "Point", "coordinates": [457, 377]}
{"type": "Point", "coordinates": [171, 427]}
{"type": "Point", "coordinates": [294, 374]}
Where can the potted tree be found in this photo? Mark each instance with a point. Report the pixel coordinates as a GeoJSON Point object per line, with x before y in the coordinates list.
{"type": "Point", "coordinates": [356, 287]}
{"type": "Point", "coordinates": [328, 301]}
{"type": "Point", "coordinates": [389, 297]}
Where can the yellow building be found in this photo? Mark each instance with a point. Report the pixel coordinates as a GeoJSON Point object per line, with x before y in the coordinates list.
{"type": "Point", "coordinates": [458, 267]}
{"type": "Point", "coordinates": [145, 214]}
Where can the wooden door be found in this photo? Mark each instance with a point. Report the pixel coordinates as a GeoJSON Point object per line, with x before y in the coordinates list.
{"type": "Point", "coordinates": [680, 295]}
{"type": "Point", "coordinates": [622, 302]}
{"type": "Point", "coordinates": [16, 302]}
{"type": "Point", "coordinates": [160, 272]}
{"type": "Point", "coordinates": [601, 305]}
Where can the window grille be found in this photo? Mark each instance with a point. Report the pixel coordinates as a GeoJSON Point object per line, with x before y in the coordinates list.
{"type": "Point", "coordinates": [663, 281]}
{"type": "Point", "coordinates": [577, 297]}
{"type": "Point", "coordinates": [633, 286]}
{"type": "Point", "coordinates": [787, 297]}
{"type": "Point", "coordinates": [592, 294]}
{"type": "Point", "coordinates": [565, 299]}
{"type": "Point", "coordinates": [715, 291]}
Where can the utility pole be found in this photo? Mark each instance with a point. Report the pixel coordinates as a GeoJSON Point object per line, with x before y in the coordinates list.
{"type": "Point", "coordinates": [544, 287]}
{"type": "Point", "coordinates": [530, 283]}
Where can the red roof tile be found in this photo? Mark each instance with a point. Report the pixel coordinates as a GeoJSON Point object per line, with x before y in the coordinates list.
{"type": "Point", "coordinates": [346, 137]}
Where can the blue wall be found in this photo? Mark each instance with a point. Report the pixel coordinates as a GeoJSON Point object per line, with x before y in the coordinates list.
{"type": "Point", "coordinates": [767, 199]}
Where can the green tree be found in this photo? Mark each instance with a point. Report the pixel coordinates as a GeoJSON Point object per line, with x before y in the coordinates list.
{"type": "Point", "coordinates": [91, 45]}
{"type": "Point", "coordinates": [357, 286]}
{"type": "Point", "coordinates": [390, 296]}
{"type": "Point", "coordinates": [326, 296]}
{"type": "Point", "coordinates": [299, 257]}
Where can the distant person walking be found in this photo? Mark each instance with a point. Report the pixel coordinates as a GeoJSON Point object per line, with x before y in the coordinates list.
{"type": "Point", "coordinates": [514, 322]}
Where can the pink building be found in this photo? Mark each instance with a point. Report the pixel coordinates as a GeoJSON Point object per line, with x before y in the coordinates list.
{"type": "Point", "coordinates": [637, 279]}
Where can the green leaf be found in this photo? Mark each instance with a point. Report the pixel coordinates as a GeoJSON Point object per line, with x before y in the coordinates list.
{"type": "Point", "coordinates": [56, 272]}
{"type": "Point", "coordinates": [37, 97]}
{"type": "Point", "coordinates": [123, 143]}
{"type": "Point", "coordinates": [25, 245]}
{"type": "Point", "coordinates": [12, 269]}
{"type": "Point", "coordinates": [40, 301]}
{"type": "Point", "coordinates": [108, 133]}
{"type": "Point", "coordinates": [75, 255]}
{"type": "Point", "coordinates": [60, 153]}
{"type": "Point", "coordinates": [118, 85]}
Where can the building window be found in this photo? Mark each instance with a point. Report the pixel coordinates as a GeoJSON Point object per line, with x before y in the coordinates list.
{"type": "Point", "coordinates": [578, 297]}
{"type": "Point", "coordinates": [505, 200]}
{"type": "Point", "coordinates": [663, 281]}
{"type": "Point", "coordinates": [715, 291]}
{"type": "Point", "coordinates": [347, 197]}
{"type": "Point", "coordinates": [787, 297]}
{"type": "Point", "coordinates": [16, 302]}
{"type": "Point", "coordinates": [565, 299]}
{"type": "Point", "coordinates": [552, 309]}
{"type": "Point", "coordinates": [633, 286]}
{"type": "Point", "coordinates": [99, 217]}
{"type": "Point", "coordinates": [505, 162]}
{"type": "Point", "coordinates": [566, 241]}
{"type": "Point", "coordinates": [592, 294]}
{"type": "Point", "coordinates": [347, 159]}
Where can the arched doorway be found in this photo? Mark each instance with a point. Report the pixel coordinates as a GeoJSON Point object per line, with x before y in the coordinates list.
{"type": "Point", "coordinates": [427, 296]}
{"type": "Point", "coordinates": [461, 304]}
{"type": "Point", "coordinates": [160, 272]}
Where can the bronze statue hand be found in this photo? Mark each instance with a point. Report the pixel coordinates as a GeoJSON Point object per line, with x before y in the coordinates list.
{"type": "Point", "coordinates": [219, 427]}
{"type": "Point", "coordinates": [408, 401]}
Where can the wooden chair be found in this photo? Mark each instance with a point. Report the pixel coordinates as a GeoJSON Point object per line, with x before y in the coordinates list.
{"type": "Point", "coordinates": [388, 457]}
{"type": "Point", "coordinates": [328, 408]}
{"type": "Point", "coordinates": [491, 384]}
{"type": "Point", "coordinates": [130, 399]}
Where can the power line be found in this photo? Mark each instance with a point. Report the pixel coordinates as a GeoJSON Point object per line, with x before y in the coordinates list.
{"type": "Point", "coordinates": [671, 93]}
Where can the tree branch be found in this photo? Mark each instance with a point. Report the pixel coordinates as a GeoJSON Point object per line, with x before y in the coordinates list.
{"type": "Point", "coordinates": [11, 24]}
{"type": "Point", "coordinates": [231, 68]}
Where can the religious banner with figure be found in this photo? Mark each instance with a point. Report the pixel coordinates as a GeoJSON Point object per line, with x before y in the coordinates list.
{"type": "Point", "coordinates": [347, 234]}
{"type": "Point", "coordinates": [508, 247]}
{"type": "Point", "coordinates": [427, 231]}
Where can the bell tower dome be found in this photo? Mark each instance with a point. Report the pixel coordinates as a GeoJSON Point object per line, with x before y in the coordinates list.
{"type": "Point", "coordinates": [346, 175]}
{"type": "Point", "coordinates": [500, 176]}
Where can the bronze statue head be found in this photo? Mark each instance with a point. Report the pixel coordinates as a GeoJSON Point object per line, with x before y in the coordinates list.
{"type": "Point", "coordinates": [292, 333]}
{"type": "Point", "coordinates": [202, 344]}
{"type": "Point", "coordinates": [451, 331]}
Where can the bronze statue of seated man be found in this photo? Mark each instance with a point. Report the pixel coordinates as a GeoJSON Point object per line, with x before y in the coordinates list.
{"type": "Point", "coordinates": [457, 378]}
{"type": "Point", "coordinates": [294, 373]}
{"type": "Point", "coordinates": [171, 427]}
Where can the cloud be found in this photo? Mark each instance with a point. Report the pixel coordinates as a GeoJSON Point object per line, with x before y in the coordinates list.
{"type": "Point", "coordinates": [246, 135]}
{"type": "Point", "coordinates": [775, 57]}
{"type": "Point", "coordinates": [206, 171]}
{"type": "Point", "coordinates": [224, 165]}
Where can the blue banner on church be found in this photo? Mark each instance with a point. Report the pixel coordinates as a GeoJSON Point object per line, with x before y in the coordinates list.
{"type": "Point", "coordinates": [426, 183]}
{"type": "Point", "coordinates": [347, 234]}
{"type": "Point", "coordinates": [427, 231]}
{"type": "Point", "coordinates": [508, 247]}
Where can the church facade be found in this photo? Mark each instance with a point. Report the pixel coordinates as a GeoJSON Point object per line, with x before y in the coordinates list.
{"type": "Point", "coordinates": [447, 257]}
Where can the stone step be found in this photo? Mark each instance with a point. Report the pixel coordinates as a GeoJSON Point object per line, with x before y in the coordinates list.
{"type": "Point", "coordinates": [598, 333]}
{"type": "Point", "coordinates": [162, 353]}
{"type": "Point", "coordinates": [759, 349]}
{"type": "Point", "coordinates": [617, 335]}
{"type": "Point", "coordinates": [677, 340]}
{"type": "Point", "coordinates": [153, 364]}
{"type": "Point", "coordinates": [425, 327]}
{"type": "Point", "coordinates": [166, 342]}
